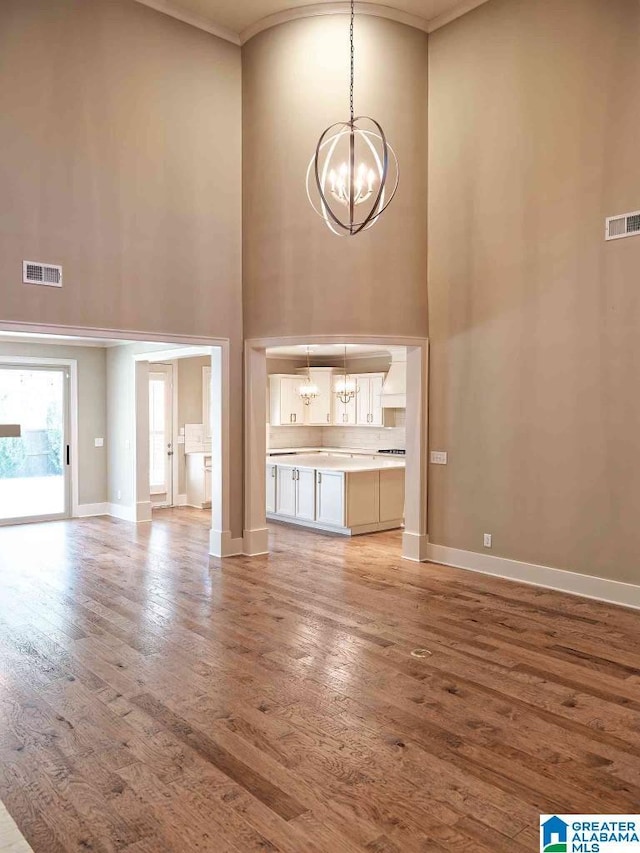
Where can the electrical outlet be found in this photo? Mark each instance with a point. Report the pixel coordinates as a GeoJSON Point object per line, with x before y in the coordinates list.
{"type": "Point", "coordinates": [119, 495]}
{"type": "Point", "coordinates": [99, 442]}
{"type": "Point", "coordinates": [438, 457]}
{"type": "Point", "coordinates": [487, 540]}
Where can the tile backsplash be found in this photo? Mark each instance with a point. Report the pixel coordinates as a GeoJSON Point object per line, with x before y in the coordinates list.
{"type": "Point", "coordinates": [360, 438]}
{"type": "Point", "coordinates": [363, 438]}
{"type": "Point", "coordinates": [294, 436]}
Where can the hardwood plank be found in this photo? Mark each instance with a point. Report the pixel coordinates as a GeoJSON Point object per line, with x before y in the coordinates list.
{"type": "Point", "coordinates": [154, 700]}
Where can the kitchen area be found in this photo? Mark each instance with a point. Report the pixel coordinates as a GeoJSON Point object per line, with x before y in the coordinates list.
{"type": "Point", "coordinates": [336, 437]}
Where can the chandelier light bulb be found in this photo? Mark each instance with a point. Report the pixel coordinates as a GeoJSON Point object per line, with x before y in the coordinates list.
{"type": "Point", "coordinates": [308, 390]}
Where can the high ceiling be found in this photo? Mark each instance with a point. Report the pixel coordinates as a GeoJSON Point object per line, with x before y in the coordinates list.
{"type": "Point", "coordinates": [240, 19]}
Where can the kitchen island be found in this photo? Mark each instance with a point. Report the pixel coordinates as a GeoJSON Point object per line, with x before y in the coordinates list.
{"type": "Point", "coordinates": [338, 494]}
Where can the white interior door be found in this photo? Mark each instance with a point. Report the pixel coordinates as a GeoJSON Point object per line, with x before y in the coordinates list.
{"type": "Point", "coordinates": [161, 434]}
{"type": "Point", "coordinates": [34, 466]}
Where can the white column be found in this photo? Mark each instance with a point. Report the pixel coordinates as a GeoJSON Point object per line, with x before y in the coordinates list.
{"type": "Point", "coordinates": [221, 543]}
{"type": "Point", "coordinates": [256, 536]}
{"type": "Point", "coordinates": [415, 538]}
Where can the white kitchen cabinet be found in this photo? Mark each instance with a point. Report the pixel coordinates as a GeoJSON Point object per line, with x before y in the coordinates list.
{"type": "Point", "coordinates": [343, 496]}
{"type": "Point", "coordinates": [285, 404]}
{"type": "Point", "coordinates": [306, 494]}
{"type": "Point", "coordinates": [319, 412]}
{"type": "Point", "coordinates": [198, 474]}
{"type": "Point", "coordinates": [330, 498]}
{"type": "Point", "coordinates": [345, 414]}
{"type": "Point", "coordinates": [295, 492]}
{"type": "Point", "coordinates": [286, 490]}
{"type": "Point", "coordinates": [271, 488]}
{"type": "Point", "coordinates": [369, 410]}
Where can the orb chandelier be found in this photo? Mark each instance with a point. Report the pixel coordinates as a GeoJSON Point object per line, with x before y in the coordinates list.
{"type": "Point", "coordinates": [345, 388]}
{"type": "Point", "coordinates": [308, 390]}
{"type": "Point", "coordinates": [353, 175]}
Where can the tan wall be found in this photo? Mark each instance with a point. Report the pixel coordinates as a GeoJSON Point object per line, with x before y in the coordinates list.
{"type": "Point", "coordinates": [298, 277]}
{"type": "Point", "coordinates": [120, 133]}
{"type": "Point", "coordinates": [92, 411]}
{"type": "Point", "coordinates": [534, 319]}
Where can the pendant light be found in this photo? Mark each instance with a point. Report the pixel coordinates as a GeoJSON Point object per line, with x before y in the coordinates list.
{"type": "Point", "coordinates": [308, 390]}
{"type": "Point", "coordinates": [353, 175]}
{"type": "Point", "coordinates": [345, 388]}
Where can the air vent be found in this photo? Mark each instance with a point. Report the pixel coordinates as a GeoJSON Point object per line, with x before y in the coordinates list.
{"type": "Point", "coordinates": [624, 225]}
{"type": "Point", "coordinates": [47, 274]}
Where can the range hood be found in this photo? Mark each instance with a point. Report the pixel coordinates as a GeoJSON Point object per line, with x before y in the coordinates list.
{"type": "Point", "coordinates": [394, 389]}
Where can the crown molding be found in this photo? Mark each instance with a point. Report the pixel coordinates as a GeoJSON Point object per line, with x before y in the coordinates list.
{"type": "Point", "coordinates": [446, 18]}
{"type": "Point", "coordinates": [311, 11]}
{"type": "Point", "coordinates": [168, 8]}
{"type": "Point", "coordinates": [336, 8]}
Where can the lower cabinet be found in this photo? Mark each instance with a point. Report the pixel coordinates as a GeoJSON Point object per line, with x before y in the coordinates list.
{"type": "Point", "coordinates": [295, 492]}
{"type": "Point", "coordinates": [330, 498]}
{"type": "Point", "coordinates": [198, 474]}
{"type": "Point", "coordinates": [347, 502]}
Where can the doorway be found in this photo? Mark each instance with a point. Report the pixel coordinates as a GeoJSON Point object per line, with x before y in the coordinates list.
{"type": "Point", "coordinates": [161, 439]}
{"type": "Point", "coordinates": [34, 466]}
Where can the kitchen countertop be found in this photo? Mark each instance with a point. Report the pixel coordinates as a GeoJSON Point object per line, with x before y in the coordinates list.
{"type": "Point", "coordinates": [343, 464]}
{"type": "Point", "coordinates": [277, 451]}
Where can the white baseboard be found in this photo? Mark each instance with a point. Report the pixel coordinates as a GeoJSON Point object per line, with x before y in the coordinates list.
{"type": "Point", "coordinates": [126, 512]}
{"type": "Point", "coordinates": [88, 510]}
{"type": "Point", "coordinates": [222, 545]}
{"type": "Point", "coordinates": [256, 542]}
{"type": "Point", "coordinates": [415, 546]}
{"type": "Point", "coordinates": [123, 511]}
{"type": "Point", "coordinates": [600, 589]}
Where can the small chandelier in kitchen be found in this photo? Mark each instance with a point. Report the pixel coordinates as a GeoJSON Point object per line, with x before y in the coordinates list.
{"type": "Point", "coordinates": [345, 388]}
{"type": "Point", "coordinates": [308, 390]}
{"type": "Point", "coordinates": [353, 175]}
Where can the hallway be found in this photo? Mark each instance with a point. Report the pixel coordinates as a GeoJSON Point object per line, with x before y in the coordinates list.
{"type": "Point", "coordinates": [150, 701]}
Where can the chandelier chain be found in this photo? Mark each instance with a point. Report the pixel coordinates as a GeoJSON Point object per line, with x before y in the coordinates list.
{"type": "Point", "coordinates": [352, 59]}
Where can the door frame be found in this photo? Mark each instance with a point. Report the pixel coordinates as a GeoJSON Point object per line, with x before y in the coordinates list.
{"type": "Point", "coordinates": [71, 437]}
{"type": "Point", "coordinates": [167, 370]}
{"type": "Point", "coordinates": [415, 537]}
{"type": "Point", "coordinates": [221, 541]}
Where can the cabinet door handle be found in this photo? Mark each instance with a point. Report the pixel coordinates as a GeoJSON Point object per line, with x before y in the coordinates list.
{"type": "Point", "coordinates": [319, 477]}
{"type": "Point", "coordinates": [293, 473]}
{"type": "Point", "coordinates": [329, 419]}
{"type": "Point", "coordinates": [273, 473]}
{"type": "Point", "coordinates": [295, 418]}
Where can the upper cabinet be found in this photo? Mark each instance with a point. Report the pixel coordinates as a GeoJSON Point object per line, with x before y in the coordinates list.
{"type": "Point", "coordinates": [319, 412]}
{"type": "Point", "coordinates": [369, 399]}
{"type": "Point", "coordinates": [285, 407]}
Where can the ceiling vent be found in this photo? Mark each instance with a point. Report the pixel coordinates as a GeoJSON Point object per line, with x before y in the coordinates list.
{"type": "Point", "coordinates": [624, 225]}
{"type": "Point", "coordinates": [36, 273]}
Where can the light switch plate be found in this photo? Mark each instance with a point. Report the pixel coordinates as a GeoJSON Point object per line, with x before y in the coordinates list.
{"type": "Point", "coordinates": [438, 457]}
{"type": "Point", "coordinates": [487, 540]}
{"type": "Point", "coordinates": [99, 442]}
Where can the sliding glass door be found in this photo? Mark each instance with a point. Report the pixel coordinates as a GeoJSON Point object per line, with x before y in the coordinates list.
{"type": "Point", "coordinates": [34, 467]}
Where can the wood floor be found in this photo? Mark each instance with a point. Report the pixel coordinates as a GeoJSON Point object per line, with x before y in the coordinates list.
{"type": "Point", "coordinates": [151, 702]}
